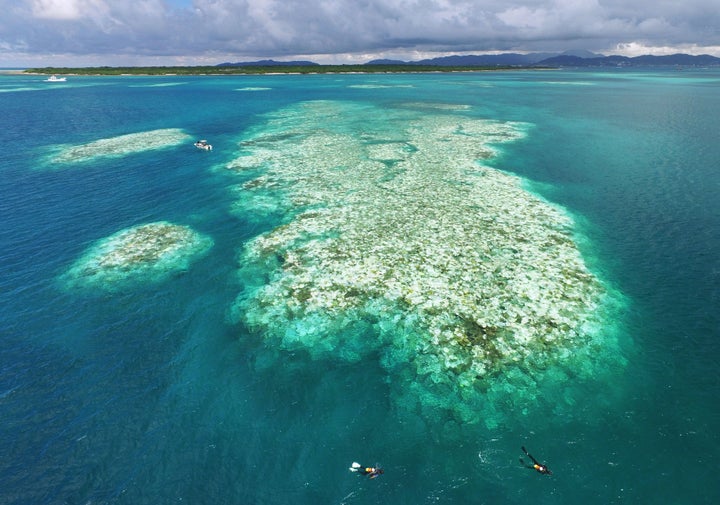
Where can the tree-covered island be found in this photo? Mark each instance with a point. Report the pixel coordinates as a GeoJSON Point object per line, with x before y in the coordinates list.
{"type": "Point", "coordinates": [262, 69]}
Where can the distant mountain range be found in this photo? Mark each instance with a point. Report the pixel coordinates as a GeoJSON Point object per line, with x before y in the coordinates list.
{"type": "Point", "coordinates": [566, 59]}
{"type": "Point", "coordinates": [504, 59]}
{"type": "Point", "coordinates": [685, 60]}
{"type": "Point", "coordinates": [269, 63]}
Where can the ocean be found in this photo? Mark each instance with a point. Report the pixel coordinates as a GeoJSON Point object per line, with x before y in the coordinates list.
{"type": "Point", "coordinates": [418, 272]}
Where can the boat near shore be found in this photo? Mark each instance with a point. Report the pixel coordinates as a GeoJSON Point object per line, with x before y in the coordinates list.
{"type": "Point", "coordinates": [55, 78]}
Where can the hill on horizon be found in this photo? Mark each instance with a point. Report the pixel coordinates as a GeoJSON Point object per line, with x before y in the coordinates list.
{"type": "Point", "coordinates": [566, 59]}
{"type": "Point", "coordinates": [268, 63]}
{"type": "Point", "coordinates": [679, 59]}
{"type": "Point", "coordinates": [502, 59]}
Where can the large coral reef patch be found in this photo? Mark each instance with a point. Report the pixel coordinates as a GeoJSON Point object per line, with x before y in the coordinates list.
{"type": "Point", "coordinates": [397, 241]}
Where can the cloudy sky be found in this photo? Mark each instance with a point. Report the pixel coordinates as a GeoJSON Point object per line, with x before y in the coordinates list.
{"type": "Point", "coordinates": [196, 32]}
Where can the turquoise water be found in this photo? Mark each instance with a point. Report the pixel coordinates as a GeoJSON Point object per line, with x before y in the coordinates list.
{"type": "Point", "coordinates": [347, 224]}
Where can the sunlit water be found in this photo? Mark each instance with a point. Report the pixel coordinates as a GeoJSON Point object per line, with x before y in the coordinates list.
{"type": "Point", "coordinates": [424, 272]}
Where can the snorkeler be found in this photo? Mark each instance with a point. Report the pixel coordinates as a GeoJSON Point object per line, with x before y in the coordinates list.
{"type": "Point", "coordinates": [370, 471]}
{"type": "Point", "coordinates": [535, 466]}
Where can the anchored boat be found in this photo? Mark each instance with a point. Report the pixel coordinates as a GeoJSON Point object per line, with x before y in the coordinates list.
{"type": "Point", "coordinates": [203, 144]}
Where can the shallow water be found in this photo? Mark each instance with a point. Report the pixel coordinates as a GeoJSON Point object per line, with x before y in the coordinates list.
{"type": "Point", "coordinates": [162, 391]}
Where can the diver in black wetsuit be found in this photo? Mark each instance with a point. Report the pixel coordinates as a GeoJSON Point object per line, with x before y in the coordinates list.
{"type": "Point", "coordinates": [535, 466]}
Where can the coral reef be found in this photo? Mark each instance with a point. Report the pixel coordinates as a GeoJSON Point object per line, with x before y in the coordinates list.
{"type": "Point", "coordinates": [397, 241]}
{"type": "Point", "coordinates": [146, 253]}
{"type": "Point", "coordinates": [120, 146]}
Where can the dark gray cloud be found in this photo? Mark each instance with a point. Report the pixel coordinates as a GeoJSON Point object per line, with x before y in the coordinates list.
{"type": "Point", "coordinates": [143, 31]}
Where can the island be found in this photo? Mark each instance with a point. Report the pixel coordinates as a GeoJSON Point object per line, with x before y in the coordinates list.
{"type": "Point", "coordinates": [265, 69]}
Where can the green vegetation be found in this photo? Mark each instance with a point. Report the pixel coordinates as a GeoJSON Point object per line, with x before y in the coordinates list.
{"type": "Point", "coordinates": [270, 69]}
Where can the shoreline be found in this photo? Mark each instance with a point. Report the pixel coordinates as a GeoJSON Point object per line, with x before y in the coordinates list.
{"type": "Point", "coordinates": [263, 70]}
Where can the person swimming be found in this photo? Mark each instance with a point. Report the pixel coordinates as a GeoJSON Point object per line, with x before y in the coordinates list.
{"type": "Point", "coordinates": [370, 471]}
{"type": "Point", "coordinates": [543, 469]}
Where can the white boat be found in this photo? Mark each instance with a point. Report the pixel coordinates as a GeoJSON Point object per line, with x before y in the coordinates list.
{"type": "Point", "coordinates": [203, 144]}
{"type": "Point", "coordinates": [55, 78]}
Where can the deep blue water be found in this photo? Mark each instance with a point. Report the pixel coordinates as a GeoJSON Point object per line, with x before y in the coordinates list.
{"type": "Point", "coordinates": [154, 395]}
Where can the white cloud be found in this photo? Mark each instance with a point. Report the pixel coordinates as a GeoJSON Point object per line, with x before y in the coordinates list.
{"type": "Point", "coordinates": [334, 29]}
{"type": "Point", "coordinates": [66, 9]}
{"type": "Point", "coordinates": [638, 49]}
{"type": "Point", "coordinates": [524, 17]}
